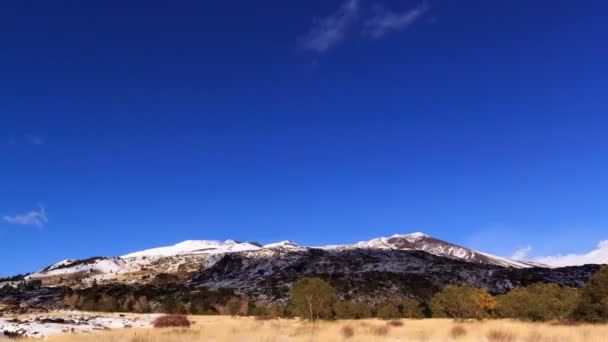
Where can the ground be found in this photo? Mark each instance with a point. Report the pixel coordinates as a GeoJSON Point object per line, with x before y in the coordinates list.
{"type": "Point", "coordinates": [223, 328]}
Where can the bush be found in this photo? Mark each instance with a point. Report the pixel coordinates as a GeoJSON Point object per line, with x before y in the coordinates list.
{"type": "Point", "coordinates": [495, 335]}
{"type": "Point", "coordinates": [458, 331]}
{"type": "Point", "coordinates": [312, 298]}
{"type": "Point", "coordinates": [462, 302]}
{"type": "Point", "coordinates": [538, 302]}
{"type": "Point", "coordinates": [411, 308]}
{"type": "Point", "coordinates": [347, 331]}
{"type": "Point", "coordinates": [347, 309]}
{"type": "Point", "coordinates": [276, 310]}
{"type": "Point", "coordinates": [171, 321]}
{"type": "Point", "coordinates": [388, 311]}
{"type": "Point", "coordinates": [380, 331]}
{"type": "Point", "coordinates": [593, 304]}
{"type": "Point", "coordinates": [395, 323]}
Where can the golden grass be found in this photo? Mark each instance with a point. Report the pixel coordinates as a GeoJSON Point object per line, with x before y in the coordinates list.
{"type": "Point", "coordinates": [222, 328]}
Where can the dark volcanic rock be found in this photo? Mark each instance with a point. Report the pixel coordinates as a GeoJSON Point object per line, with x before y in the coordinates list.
{"type": "Point", "coordinates": [371, 274]}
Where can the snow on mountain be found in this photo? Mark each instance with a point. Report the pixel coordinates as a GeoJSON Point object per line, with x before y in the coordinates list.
{"type": "Point", "coordinates": [283, 244]}
{"type": "Point", "coordinates": [92, 265]}
{"type": "Point", "coordinates": [194, 255]}
{"type": "Point", "coordinates": [197, 247]}
{"type": "Point", "coordinates": [422, 242]}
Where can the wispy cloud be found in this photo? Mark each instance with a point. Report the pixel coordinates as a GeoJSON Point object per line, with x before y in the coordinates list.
{"type": "Point", "coordinates": [386, 20]}
{"type": "Point", "coordinates": [32, 218]}
{"type": "Point", "coordinates": [521, 253]}
{"type": "Point", "coordinates": [34, 139]}
{"type": "Point", "coordinates": [598, 255]}
{"type": "Point", "coordinates": [328, 31]}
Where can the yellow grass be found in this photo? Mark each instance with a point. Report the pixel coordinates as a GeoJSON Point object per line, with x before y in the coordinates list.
{"type": "Point", "coordinates": [222, 328]}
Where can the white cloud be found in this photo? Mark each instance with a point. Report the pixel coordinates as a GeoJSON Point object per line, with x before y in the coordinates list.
{"type": "Point", "coordinates": [596, 256]}
{"type": "Point", "coordinates": [328, 31]}
{"type": "Point", "coordinates": [521, 253]}
{"type": "Point", "coordinates": [31, 218]}
{"type": "Point", "coordinates": [386, 20]}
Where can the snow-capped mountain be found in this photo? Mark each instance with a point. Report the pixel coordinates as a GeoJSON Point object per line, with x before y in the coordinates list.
{"type": "Point", "coordinates": [422, 242]}
{"type": "Point", "coordinates": [197, 247]}
{"type": "Point", "coordinates": [197, 255]}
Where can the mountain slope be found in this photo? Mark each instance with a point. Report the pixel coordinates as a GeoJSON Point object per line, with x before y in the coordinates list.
{"type": "Point", "coordinates": [197, 255]}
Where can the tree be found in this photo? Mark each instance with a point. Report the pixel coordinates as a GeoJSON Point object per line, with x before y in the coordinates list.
{"type": "Point", "coordinates": [312, 298]}
{"type": "Point", "coordinates": [347, 309]}
{"type": "Point", "coordinates": [538, 302]}
{"type": "Point", "coordinates": [276, 310]}
{"type": "Point", "coordinates": [233, 306]}
{"type": "Point", "coordinates": [593, 304]}
{"type": "Point", "coordinates": [388, 311]}
{"type": "Point", "coordinates": [411, 308]}
{"type": "Point", "coordinates": [462, 302]}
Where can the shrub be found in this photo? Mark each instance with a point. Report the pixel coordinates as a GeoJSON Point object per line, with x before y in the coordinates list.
{"type": "Point", "coordinates": [380, 330]}
{"type": "Point", "coordinates": [538, 302]}
{"type": "Point", "coordinates": [312, 298]}
{"type": "Point", "coordinates": [395, 323]}
{"type": "Point", "coordinates": [496, 335]}
{"type": "Point", "coordinates": [457, 331]}
{"type": "Point", "coordinates": [347, 331]}
{"type": "Point", "coordinates": [462, 302]}
{"type": "Point", "coordinates": [388, 311]}
{"type": "Point", "coordinates": [347, 309]}
{"type": "Point", "coordinates": [593, 304]}
{"type": "Point", "coordinates": [276, 310]}
{"type": "Point", "coordinates": [411, 308]}
{"type": "Point", "coordinates": [171, 321]}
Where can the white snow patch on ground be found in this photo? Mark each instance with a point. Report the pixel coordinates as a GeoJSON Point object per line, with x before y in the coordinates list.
{"type": "Point", "coordinates": [43, 325]}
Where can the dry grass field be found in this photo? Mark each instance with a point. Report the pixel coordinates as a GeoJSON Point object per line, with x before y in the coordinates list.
{"type": "Point", "coordinates": [222, 328]}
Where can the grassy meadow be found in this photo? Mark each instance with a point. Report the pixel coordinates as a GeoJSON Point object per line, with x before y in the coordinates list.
{"type": "Point", "coordinates": [250, 329]}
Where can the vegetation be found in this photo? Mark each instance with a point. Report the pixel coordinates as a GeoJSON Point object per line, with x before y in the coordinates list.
{"type": "Point", "coordinates": [216, 328]}
{"type": "Point", "coordinates": [593, 304]}
{"type": "Point", "coordinates": [312, 298]}
{"type": "Point", "coordinates": [347, 309]}
{"type": "Point", "coordinates": [388, 311]}
{"type": "Point", "coordinates": [462, 302]}
{"type": "Point", "coordinates": [538, 302]}
{"type": "Point", "coordinates": [411, 308]}
{"type": "Point", "coordinates": [171, 321]}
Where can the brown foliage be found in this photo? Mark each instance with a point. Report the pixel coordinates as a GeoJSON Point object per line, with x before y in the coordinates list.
{"type": "Point", "coordinates": [458, 331]}
{"type": "Point", "coordinates": [171, 321]}
{"type": "Point", "coordinates": [347, 331]}
{"type": "Point", "coordinates": [496, 335]}
{"type": "Point", "coordinates": [380, 331]}
{"type": "Point", "coordinates": [395, 323]}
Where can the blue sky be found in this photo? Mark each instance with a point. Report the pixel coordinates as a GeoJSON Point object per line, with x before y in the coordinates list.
{"type": "Point", "coordinates": [129, 125]}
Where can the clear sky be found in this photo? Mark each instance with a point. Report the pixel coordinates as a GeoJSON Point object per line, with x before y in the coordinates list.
{"type": "Point", "coordinates": [127, 125]}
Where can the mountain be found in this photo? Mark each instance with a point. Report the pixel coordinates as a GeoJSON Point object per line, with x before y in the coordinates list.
{"type": "Point", "coordinates": [197, 255]}
{"type": "Point", "coordinates": [415, 265]}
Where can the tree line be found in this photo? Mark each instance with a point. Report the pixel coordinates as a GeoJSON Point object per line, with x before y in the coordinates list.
{"type": "Point", "coordinates": [313, 299]}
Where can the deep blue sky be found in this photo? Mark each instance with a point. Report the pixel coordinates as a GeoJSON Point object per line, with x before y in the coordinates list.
{"type": "Point", "coordinates": [137, 124]}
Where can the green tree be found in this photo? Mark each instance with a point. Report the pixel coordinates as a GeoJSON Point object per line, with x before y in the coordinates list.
{"type": "Point", "coordinates": [461, 302]}
{"type": "Point", "coordinates": [312, 298]}
{"type": "Point", "coordinates": [388, 311]}
{"type": "Point", "coordinates": [538, 302]}
{"type": "Point", "coordinates": [347, 309]}
{"type": "Point", "coordinates": [593, 304]}
{"type": "Point", "coordinates": [411, 308]}
{"type": "Point", "coordinates": [276, 310]}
